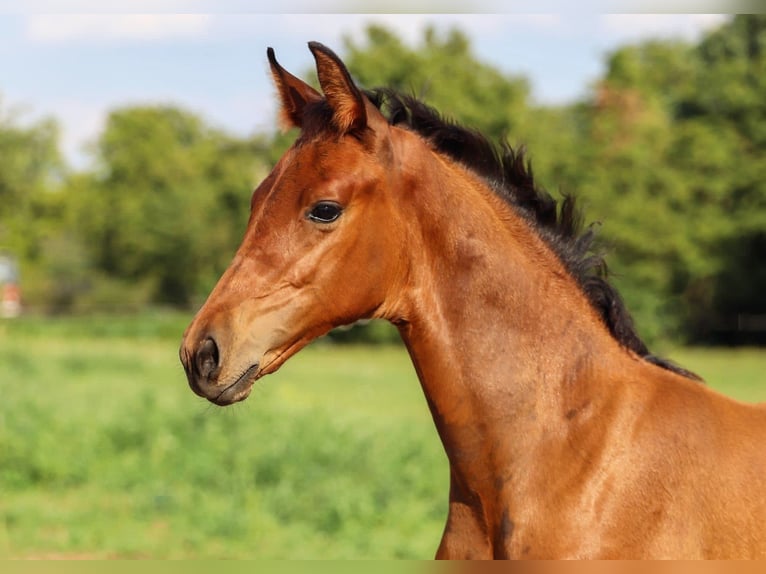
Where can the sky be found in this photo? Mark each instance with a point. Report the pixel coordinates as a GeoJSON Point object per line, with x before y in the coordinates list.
{"type": "Point", "coordinates": [76, 66]}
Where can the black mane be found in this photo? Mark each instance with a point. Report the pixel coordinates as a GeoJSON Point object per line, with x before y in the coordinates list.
{"type": "Point", "coordinates": [510, 176]}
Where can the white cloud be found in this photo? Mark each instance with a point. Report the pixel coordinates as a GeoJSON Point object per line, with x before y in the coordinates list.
{"type": "Point", "coordinates": [634, 27]}
{"type": "Point", "coordinates": [98, 28]}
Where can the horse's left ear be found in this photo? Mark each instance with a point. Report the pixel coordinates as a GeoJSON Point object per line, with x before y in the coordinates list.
{"type": "Point", "coordinates": [345, 99]}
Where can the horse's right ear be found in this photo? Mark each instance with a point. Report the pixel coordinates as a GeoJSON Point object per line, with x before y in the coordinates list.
{"type": "Point", "coordinates": [294, 94]}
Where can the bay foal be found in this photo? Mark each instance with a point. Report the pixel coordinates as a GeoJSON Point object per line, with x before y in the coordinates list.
{"type": "Point", "coordinates": [565, 437]}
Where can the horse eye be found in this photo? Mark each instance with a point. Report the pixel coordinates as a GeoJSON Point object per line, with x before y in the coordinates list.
{"type": "Point", "coordinates": [325, 212]}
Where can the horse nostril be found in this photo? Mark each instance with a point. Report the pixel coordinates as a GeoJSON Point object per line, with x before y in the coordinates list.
{"type": "Point", "coordinates": [207, 358]}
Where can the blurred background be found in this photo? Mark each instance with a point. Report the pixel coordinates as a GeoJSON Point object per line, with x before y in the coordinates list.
{"type": "Point", "coordinates": [129, 147]}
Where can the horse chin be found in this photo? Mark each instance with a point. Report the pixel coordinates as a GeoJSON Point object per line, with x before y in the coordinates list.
{"type": "Point", "coordinates": [240, 389]}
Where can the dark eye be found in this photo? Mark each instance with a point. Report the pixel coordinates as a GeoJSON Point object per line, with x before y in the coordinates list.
{"type": "Point", "coordinates": [325, 212]}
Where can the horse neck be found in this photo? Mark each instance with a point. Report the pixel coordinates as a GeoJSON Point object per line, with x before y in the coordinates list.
{"type": "Point", "coordinates": [504, 342]}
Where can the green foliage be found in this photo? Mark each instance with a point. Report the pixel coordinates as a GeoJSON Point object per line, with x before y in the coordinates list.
{"type": "Point", "coordinates": [30, 169]}
{"type": "Point", "coordinates": [376, 332]}
{"type": "Point", "coordinates": [170, 201]}
{"type": "Point", "coordinates": [674, 166]}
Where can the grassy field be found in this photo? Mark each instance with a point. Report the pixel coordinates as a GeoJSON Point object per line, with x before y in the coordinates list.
{"type": "Point", "coordinates": [105, 453]}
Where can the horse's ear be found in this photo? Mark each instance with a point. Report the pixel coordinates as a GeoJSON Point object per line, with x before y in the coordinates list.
{"type": "Point", "coordinates": [345, 99]}
{"type": "Point", "coordinates": [294, 94]}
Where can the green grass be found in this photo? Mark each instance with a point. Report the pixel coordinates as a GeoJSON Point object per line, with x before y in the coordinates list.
{"type": "Point", "coordinates": [738, 373]}
{"type": "Point", "coordinates": [106, 453]}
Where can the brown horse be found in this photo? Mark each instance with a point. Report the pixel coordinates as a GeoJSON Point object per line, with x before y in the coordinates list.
{"type": "Point", "coordinates": [565, 437]}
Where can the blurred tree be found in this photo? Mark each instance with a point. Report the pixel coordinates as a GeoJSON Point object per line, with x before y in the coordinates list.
{"type": "Point", "coordinates": [31, 201]}
{"type": "Point", "coordinates": [30, 169]}
{"type": "Point", "coordinates": [169, 201]}
{"type": "Point", "coordinates": [674, 160]}
{"type": "Point", "coordinates": [443, 71]}
{"type": "Point", "coordinates": [630, 186]}
{"type": "Point", "coordinates": [730, 99]}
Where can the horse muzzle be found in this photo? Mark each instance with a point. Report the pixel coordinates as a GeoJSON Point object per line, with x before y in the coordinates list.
{"type": "Point", "coordinates": [202, 364]}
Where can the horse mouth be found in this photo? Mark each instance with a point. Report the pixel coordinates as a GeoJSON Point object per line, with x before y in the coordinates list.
{"type": "Point", "coordinates": [239, 390]}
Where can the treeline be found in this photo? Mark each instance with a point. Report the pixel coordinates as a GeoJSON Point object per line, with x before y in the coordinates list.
{"type": "Point", "coordinates": [666, 151]}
